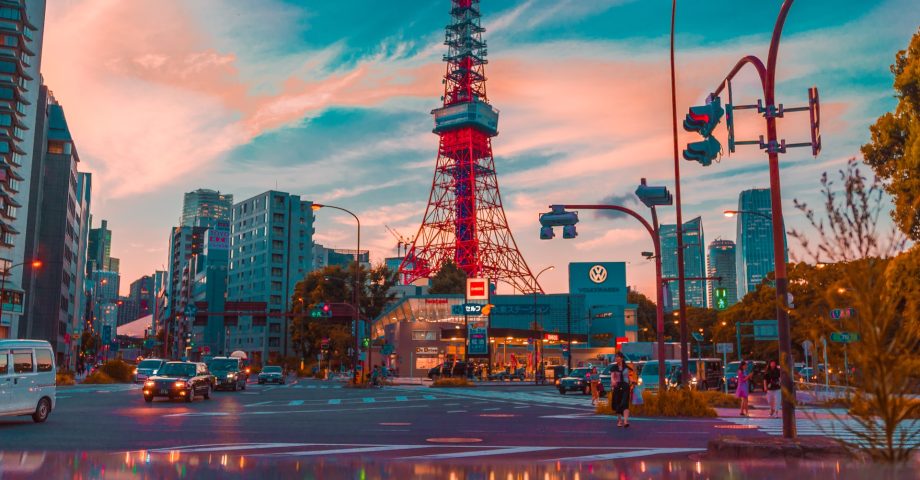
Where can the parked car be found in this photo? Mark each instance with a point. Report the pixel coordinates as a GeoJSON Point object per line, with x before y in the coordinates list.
{"type": "Point", "coordinates": [648, 376]}
{"type": "Point", "coordinates": [27, 379]}
{"type": "Point", "coordinates": [756, 369]}
{"type": "Point", "coordinates": [556, 372]}
{"type": "Point", "coordinates": [575, 382]}
{"type": "Point", "coordinates": [711, 377]}
{"type": "Point", "coordinates": [147, 368]}
{"type": "Point", "coordinates": [271, 374]}
{"type": "Point", "coordinates": [179, 380]}
{"type": "Point", "coordinates": [507, 374]}
{"type": "Point", "coordinates": [448, 369]}
{"type": "Point", "coordinates": [605, 375]}
{"type": "Point", "coordinates": [229, 372]}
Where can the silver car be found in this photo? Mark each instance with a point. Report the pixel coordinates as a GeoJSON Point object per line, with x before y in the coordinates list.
{"type": "Point", "coordinates": [271, 375]}
{"type": "Point", "coordinates": [147, 368]}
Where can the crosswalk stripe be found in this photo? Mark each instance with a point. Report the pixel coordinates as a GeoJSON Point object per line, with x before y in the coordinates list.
{"type": "Point", "coordinates": [294, 403]}
{"type": "Point", "coordinates": [401, 399]}
{"type": "Point", "coordinates": [369, 399]}
{"type": "Point", "coordinates": [630, 454]}
{"type": "Point", "coordinates": [480, 453]}
{"type": "Point", "coordinates": [220, 448]}
{"type": "Point", "coordinates": [334, 401]}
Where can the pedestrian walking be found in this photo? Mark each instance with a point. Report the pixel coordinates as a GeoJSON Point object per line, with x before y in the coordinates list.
{"type": "Point", "coordinates": [621, 384]}
{"type": "Point", "coordinates": [594, 380]}
{"type": "Point", "coordinates": [742, 390]}
{"type": "Point", "coordinates": [772, 386]}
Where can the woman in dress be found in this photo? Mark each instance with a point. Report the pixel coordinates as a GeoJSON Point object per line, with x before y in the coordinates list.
{"type": "Point", "coordinates": [594, 380]}
{"type": "Point", "coordinates": [742, 390]}
{"type": "Point", "coordinates": [620, 383]}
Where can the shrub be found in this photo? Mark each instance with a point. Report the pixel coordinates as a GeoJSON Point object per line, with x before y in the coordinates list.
{"type": "Point", "coordinates": [452, 382]}
{"type": "Point", "coordinates": [717, 399]}
{"type": "Point", "coordinates": [98, 378]}
{"type": "Point", "coordinates": [118, 371]}
{"type": "Point", "coordinates": [672, 403]}
{"type": "Point", "coordinates": [64, 377]}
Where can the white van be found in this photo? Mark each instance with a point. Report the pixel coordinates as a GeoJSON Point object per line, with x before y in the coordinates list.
{"type": "Point", "coordinates": [27, 379]}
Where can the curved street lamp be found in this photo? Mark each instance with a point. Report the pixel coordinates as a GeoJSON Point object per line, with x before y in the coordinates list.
{"type": "Point", "coordinates": [36, 264]}
{"type": "Point", "coordinates": [317, 206]}
{"type": "Point", "coordinates": [537, 343]}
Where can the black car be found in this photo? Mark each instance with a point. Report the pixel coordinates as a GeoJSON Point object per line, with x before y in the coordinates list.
{"type": "Point", "coordinates": [179, 380]}
{"type": "Point", "coordinates": [575, 381]}
{"type": "Point", "coordinates": [229, 372]}
{"type": "Point", "coordinates": [448, 369]}
{"type": "Point", "coordinates": [271, 374]}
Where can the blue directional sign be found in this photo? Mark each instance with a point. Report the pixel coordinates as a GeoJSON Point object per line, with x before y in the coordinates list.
{"type": "Point", "coordinates": [844, 337]}
{"type": "Point", "coordinates": [478, 341]}
{"type": "Point", "coordinates": [766, 330]}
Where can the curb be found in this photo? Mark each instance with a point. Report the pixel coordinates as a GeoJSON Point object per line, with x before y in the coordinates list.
{"type": "Point", "coordinates": [731, 447]}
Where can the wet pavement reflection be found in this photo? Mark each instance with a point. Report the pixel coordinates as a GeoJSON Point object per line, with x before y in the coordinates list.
{"type": "Point", "coordinates": [147, 465]}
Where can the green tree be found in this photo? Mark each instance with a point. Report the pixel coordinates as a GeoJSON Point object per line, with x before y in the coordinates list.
{"type": "Point", "coordinates": [894, 151]}
{"type": "Point", "coordinates": [449, 279]}
{"type": "Point", "coordinates": [646, 315]}
{"type": "Point", "coordinates": [869, 279]}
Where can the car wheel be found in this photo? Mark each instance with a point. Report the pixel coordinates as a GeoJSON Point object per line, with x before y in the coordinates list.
{"type": "Point", "coordinates": [191, 395]}
{"type": "Point", "coordinates": [148, 398]}
{"type": "Point", "coordinates": [562, 391]}
{"type": "Point", "coordinates": [207, 392]}
{"type": "Point", "coordinates": [233, 387]}
{"type": "Point", "coordinates": [243, 385]}
{"type": "Point", "coordinates": [261, 382]}
{"type": "Point", "coordinates": [42, 411]}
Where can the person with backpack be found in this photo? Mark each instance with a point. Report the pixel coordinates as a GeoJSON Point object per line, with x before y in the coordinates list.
{"type": "Point", "coordinates": [621, 384]}
{"type": "Point", "coordinates": [772, 386]}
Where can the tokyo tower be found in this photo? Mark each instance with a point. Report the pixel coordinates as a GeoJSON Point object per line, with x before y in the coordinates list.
{"type": "Point", "coordinates": [465, 222]}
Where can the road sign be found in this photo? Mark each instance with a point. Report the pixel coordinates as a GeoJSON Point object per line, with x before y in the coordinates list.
{"type": "Point", "coordinates": [844, 337]}
{"type": "Point", "coordinates": [807, 345]}
{"type": "Point", "coordinates": [725, 347]}
{"type": "Point", "coordinates": [697, 336]}
{"type": "Point", "coordinates": [467, 309]}
{"type": "Point", "coordinates": [190, 310]}
{"type": "Point", "coordinates": [478, 341]}
{"type": "Point", "coordinates": [766, 330]}
{"type": "Point", "coordinates": [477, 289]}
{"type": "Point", "coordinates": [841, 313]}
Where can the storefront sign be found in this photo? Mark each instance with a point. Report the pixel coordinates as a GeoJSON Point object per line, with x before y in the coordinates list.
{"type": "Point", "coordinates": [477, 289]}
{"type": "Point", "coordinates": [426, 350]}
{"type": "Point", "coordinates": [478, 341]}
{"type": "Point", "coordinates": [436, 301]}
{"type": "Point", "coordinates": [551, 337]}
{"type": "Point", "coordinates": [524, 309]}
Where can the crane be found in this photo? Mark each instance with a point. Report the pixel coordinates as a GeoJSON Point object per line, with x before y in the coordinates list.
{"type": "Point", "coordinates": [402, 242]}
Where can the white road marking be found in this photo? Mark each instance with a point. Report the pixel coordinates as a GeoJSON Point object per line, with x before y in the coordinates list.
{"type": "Point", "coordinates": [456, 411]}
{"type": "Point", "coordinates": [490, 409]}
{"type": "Point", "coordinates": [294, 403]}
{"type": "Point", "coordinates": [287, 412]}
{"type": "Point", "coordinates": [369, 399]}
{"type": "Point", "coordinates": [230, 447]}
{"type": "Point", "coordinates": [258, 403]}
{"type": "Point", "coordinates": [342, 451]}
{"type": "Point", "coordinates": [334, 401]}
{"type": "Point", "coordinates": [480, 453]}
{"type": "Point", "coordinates": [631, 454]}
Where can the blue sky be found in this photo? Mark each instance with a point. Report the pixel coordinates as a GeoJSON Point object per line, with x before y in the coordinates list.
{"type": "Point", "coordinates": [332, 100]}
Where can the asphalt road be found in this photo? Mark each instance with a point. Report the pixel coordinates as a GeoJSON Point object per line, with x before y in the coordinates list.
{"type": "Point", "coordinates": [318, 419]}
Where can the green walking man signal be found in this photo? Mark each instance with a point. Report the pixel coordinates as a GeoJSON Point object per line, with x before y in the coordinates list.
{"type": "Point", "coordinates": [721, 298]}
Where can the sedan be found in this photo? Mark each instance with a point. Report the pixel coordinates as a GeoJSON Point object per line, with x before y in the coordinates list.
{"type": "Point", "coordinates": [179, 380]}
{"type": "Point", "coordinates": [575, 382]}
{"type": "Point", "coordinates": [271, 375]}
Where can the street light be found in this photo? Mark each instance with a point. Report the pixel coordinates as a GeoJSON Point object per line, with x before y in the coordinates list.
{"type": "Point", "coordinates": [36, 264]}
{"type": "Point", "coordinates": [536, 344]}
{"type": "Point", "coordinates": [317, 206]}
{"type": "Point", "coordinates": [652, 197]}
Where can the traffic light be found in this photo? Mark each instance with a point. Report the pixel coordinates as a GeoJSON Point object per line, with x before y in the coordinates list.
{"type": "Point", "coordinates": [721, 298]}
{"type": "Point", "coordinates": [704, 151]}
{"type": "Point", "coordinates": [365, 342]}
{"type": "Point", "coordinates": [704, 119]}
{"type": "Point", "coordinates": [558, 217]}
{"type": "Point", "coordinates": [321, 310]}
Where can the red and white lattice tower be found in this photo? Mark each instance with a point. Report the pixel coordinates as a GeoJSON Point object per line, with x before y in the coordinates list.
{"type": "Point", "coordinates": [464, 221]}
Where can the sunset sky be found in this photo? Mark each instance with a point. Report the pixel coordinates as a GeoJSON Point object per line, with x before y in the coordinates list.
{"type": "Point", "coordinates": [331, 100]}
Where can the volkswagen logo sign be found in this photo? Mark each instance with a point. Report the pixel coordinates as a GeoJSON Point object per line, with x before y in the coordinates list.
{"type": "Point", "coordinates": [597, 274]}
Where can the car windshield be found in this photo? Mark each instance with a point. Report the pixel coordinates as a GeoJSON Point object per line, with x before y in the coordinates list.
{"type": "Point", "coordinates": [650, 369]}
{"type": "Point", "coordinates": [178, 370]}
{"type": "Point", "coordinates": [579, 372]}
{"type": "Point", "coordinates": [272, 370]}
{"type": "Point", "coordinates": [149, 364]}
{"type": "Point", "coordinates": [732, 367]}
{"type": "Point", "coordinates": [224, 364]}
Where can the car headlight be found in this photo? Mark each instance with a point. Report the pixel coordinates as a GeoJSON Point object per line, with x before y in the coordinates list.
{"type": "Point", "coordinates": [181, 384]}
{"type": "Point", "coordinates": [693, 380]}
{"type": "Point", "coordinates": [135, 371]}
{"type": "Point", "coordinates": [231, 375]}
{"type": "Point", "coordinates": [640, 381]}
{"type": "Point", "coordinates": [149, 384]}
{"type": "Point", "coordinates": [154, 372]}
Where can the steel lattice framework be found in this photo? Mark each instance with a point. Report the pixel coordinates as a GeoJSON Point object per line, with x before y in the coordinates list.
{"type": "Point", "coordinates": [465, 222]}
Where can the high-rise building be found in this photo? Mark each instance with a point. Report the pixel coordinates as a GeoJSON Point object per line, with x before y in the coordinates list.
{"type": "Point", "coordinates": [141, 292]}
{"type": "Point", "coordinates": [22, 30]}
{"type": "Point", "coordinates": [100, 248]}
{"type": "Point", "coordinates": [184, 243]}
{"type": "Point", "coordinates": [694, 263]}
{"type": "Point", "coordinates": [204, 207]}
{"type": "Point", "coordinates": [53, 308]}
{"type": "Point", "coordinates": [271, 250]}
{"type": "Point", "coordinates": [209, 292]}
{"type": "Point", "coordinates": [754, 251]}
{"type": "Point", "coordinates": [84, 203]}
{"type": "Point", "coordinates": [721, 263]}
{"type": "Point", "coordinates": [127, 310]}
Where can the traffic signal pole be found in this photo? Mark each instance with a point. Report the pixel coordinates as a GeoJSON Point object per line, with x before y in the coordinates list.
{"type": "Point", "coordinates": [681, 294]}
{"type": "Point", "coordinates": [768, 82]}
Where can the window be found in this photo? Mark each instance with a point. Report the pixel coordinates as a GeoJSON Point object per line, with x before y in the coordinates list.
{"type": "Point", "coordinates": [274, 342]}
{"type": "Point", "coordinates": [22, 362]}
{"type": "Point", "coordinates": [274, 328]}
{"type": "Point", "coordinates": [278, 231]}
{"type": "Point", "coordinates": [278, 217]}
{"type": "Point", "coordinates": [277, 258]}
{"type": "Point", "coordinates": [64, 304]}
{"type": "Point", "coordinates": [277, 272]}
{"type": "Point", "coordinates": [4, 364]}
{"type": "Point", "coordinates": [277, 244]}
{"type": "Point", "coordinates": [44, 360]}
{"type": "Point", "coordinates": [424, 335]}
